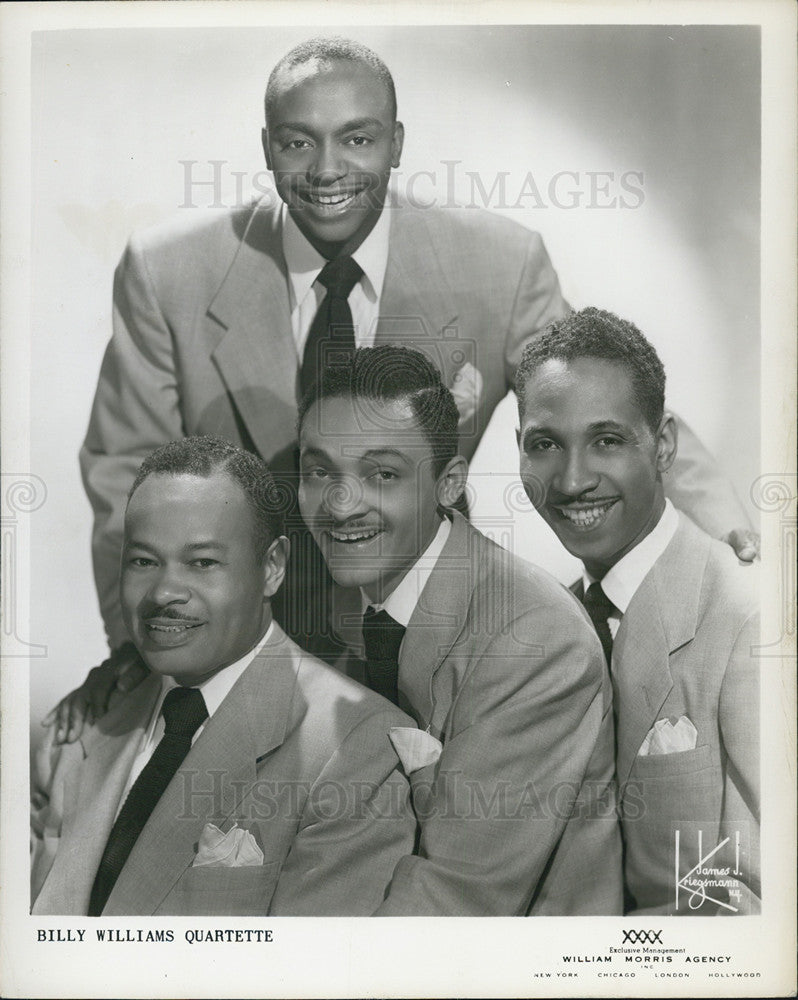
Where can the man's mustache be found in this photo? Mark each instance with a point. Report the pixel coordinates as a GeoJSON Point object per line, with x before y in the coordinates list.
{"type": "Point", "coordinates": [163, 614]}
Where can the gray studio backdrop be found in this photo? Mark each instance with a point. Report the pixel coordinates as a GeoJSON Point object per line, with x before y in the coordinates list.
{"type": "Point", "coordinates": [633, 150]}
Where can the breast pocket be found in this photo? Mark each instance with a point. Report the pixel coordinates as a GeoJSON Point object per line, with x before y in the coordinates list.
{"type": "Point", "coordinates": [223, 891]}
{"type": "Point", "coordinates": [674, 786]}
{"type": "Point", "coordinates": [662, 766]}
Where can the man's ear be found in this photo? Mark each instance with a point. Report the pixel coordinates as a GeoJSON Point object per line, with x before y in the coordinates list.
{"type": "Point", "coordinates": [274, 565]}
{"type": "Point", "coordinates": [451, 481]}
{"type": "Point", "coordinates": [264, 138]}
{"type": "Point", "coordinates": [397, 143]}
{"type": "Point", "coordinates": [667, 442]}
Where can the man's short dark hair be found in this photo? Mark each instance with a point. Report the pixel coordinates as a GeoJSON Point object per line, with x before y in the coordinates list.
{"type": "Point", "coordinates": [326, 51]}
{"type": "Point", "coordinates": [388, 373]}
{"type": "Point", "coordinates": [595, 333]}
{"type": "Point", "coordinates": [206, 456]}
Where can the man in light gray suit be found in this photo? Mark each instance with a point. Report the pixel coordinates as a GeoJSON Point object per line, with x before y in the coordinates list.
{"type": "Point", "coordinates": [243, 776]}
{"type": "Point", "coordinates": [675, 611]}
{"type": "Point", "coordinates": [512, 765]}
{"type": "Point", "coordinates": [216, 319]}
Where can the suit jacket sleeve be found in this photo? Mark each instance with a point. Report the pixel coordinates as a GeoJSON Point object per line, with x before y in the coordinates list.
{"type": "Point", "coordinates": [46, 807]}
{"type": "Point", "coordinates": [696, 486]}
{"type": "Point", "coordinates": [356, 824]}
{"type": "Point", "coordinates": [136, 409]}
{"type": "Point", "coordinates": [538, 302]}
{"type": "Point", "coordinates": [494, 808]}
{"type": "Point", "coordinates": [738, 717]}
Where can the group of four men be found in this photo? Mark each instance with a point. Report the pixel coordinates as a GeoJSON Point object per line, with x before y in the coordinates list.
{"type": "Point", "coordinates": [468, 764]}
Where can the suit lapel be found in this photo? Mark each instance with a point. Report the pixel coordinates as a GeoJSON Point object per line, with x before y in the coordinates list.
{"type": "Point", "coordinates": [641, 676]}
{"type": "Point", "coordinates": [217, 774]}
{"type": "Point", "coordinates": [92, 792]}
{"type": "Point", "coordinates": [661, 617]}
{"type": "Point", "coordinates": [435, 625]}
{"type": "Point", "coordinates": [417, 302]}
{"type": "Point", "coordinates": [257, 356]}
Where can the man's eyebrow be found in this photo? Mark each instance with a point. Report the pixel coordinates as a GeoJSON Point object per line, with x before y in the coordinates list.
{"type": "Point", "coordinates": [365, 122]}
{"type": "Point", "coordinates": [313, 453]}
{"type": "Point", "coordinates": [190, 547]}
{"type": "Point", "coordinates": [532, 429]}
{"type": "Point", "coordinates": [599, 425]}
{"type": "Point", "coordinates": [370, 455]}
{"type": "Point", "coordinates": [536, 428]}
{"type": "Point", "coordinates": [596, 425]}
{"type": "Point", "coordinates": [355, 123]}
{"type": "Point", "coordinates": [374, 453]}
{"type": "Point", "coordinates": [133, 543]}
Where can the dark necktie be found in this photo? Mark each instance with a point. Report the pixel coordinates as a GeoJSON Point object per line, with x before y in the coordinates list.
{"type": "Point", "coordinates": [600, 607]}
{"type": "Point", "coordinates": [382, 637]}
{"type": "Point", "coordinates": [331, 339]}
{"type": "Point", "coordinates": [184, 712]}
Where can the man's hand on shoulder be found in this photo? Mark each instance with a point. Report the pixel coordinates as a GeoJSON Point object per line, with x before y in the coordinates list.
{"type": "Point", "coordinates": [122, 671]}
{"type": "Point", "coordinates": [745, 543]}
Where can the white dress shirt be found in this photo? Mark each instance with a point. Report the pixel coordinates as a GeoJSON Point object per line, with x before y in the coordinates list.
{"type": "Point", "coordinates": [621, 582]}
{"type": "Point", "coordinates": [214, 690]}
{"type": "Point", "coordinates": [401, 602]}
{"type": "Point", "coordinates": [304, 263]}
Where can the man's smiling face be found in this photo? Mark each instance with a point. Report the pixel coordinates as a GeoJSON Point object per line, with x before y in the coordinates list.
{"type": "Point", "coordinates": [192, 586]}
{"type": "Point", "coordinates": [590, 462]}
{"type": "Point", "coordinates": [368, 490]}
{"type": "Point", "coordinates": [331, 140]}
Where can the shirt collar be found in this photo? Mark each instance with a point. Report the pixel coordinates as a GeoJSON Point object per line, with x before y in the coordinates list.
{"type": "Point", "coordinates": [401, 602]}
{"type": "Point", "coordinates": [216, 688]}
{"type": "Point", "coordinates": [304, 262]}
{"type": "Point", "coordinates": [621, 582]}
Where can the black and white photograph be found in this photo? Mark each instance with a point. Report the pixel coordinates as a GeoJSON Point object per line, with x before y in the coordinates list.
{"type": "Point", "coordinates": [398, 500]}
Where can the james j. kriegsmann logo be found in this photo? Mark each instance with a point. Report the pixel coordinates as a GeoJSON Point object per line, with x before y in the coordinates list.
{"type": "Point", "coordinates": [712, 879]}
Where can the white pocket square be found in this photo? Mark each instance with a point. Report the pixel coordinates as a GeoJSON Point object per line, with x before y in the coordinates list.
{"type": "Point", "coordinates": [414, 747]}
{"type": "Point", "coordinates": [664, 737]}
{"type": "Point", "coordinates": [235, 849]}
{"type": "Point", "coordinates": [467, 390]}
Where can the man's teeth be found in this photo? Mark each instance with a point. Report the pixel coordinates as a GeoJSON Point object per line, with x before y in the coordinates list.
{"type": "Point", "coordinates": [332, 199]}
{"type": "Point", "coordinates": [177, 627]}
{"type": "Point", "coordinates": [585, 517]}
{"type": "Point", "coordinates": [353, 536]}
